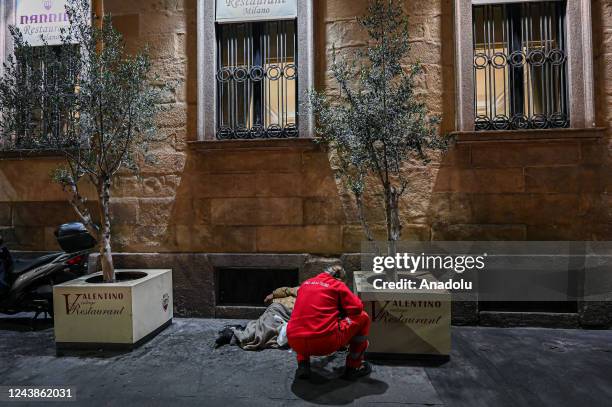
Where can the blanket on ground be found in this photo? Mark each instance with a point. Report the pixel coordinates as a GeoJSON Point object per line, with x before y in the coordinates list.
{"type": "Point", "coordinates": [263, 332]}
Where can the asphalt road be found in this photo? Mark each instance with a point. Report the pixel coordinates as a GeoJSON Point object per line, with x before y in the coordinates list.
{"type": "Point", "coordinates": [489, 367]}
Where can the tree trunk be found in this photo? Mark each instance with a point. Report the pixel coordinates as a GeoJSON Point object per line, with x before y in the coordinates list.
{"type": "Point", "coordinates": [394, 226]}
{"type": "Point", "coordinates": [106, 257]}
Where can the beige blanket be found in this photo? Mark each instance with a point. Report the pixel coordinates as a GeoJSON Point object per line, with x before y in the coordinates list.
{"type": "Point", "coordinates": [262, 333]}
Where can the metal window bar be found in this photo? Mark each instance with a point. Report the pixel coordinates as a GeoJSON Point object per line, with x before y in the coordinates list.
{"type": "Point", "coordinates": [257, 80]}
{"type": "Point", "coordinates": [520, 66]}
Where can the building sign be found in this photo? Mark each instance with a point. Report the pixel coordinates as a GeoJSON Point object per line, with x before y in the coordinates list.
{"type": "Point", "coordinates": [38, 19]}
{"type": "Point", "coordinates": [232, 11]}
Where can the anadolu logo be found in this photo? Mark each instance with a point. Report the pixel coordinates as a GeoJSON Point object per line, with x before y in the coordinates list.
{"type": "Point", "coordinates": [48, 4]}
{"type": "Point", "coordinates": [165, 302]}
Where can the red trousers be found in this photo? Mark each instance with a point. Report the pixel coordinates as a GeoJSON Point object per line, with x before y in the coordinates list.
{"type": "Point", "coordinates": [352, 331]}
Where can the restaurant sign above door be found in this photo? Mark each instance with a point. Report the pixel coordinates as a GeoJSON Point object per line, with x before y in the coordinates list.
{"type": "Point", "coordinates": [41, 19]}
{"type": "Point", "coordinates": [234, 11]}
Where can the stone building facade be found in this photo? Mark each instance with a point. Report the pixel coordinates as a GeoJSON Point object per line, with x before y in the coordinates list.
{"type": "Point", "coordinates": [234, 203]}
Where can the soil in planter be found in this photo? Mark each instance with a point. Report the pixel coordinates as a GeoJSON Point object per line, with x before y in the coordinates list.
{"type": "Point", "coordinates": [119, 277]}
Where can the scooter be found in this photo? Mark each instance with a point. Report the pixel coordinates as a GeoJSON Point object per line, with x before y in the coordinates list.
{"type": "Point", "coordinates": [27, 286]}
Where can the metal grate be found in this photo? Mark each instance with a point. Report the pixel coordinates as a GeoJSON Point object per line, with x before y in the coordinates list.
{"type": "Point", "coordinates": [257, 80]}
{"type": "Point", "coordinates": [520, 66]}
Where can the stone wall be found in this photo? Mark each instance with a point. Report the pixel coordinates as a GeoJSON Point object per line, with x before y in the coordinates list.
{"type": "Point", "coordinates": [281, 197]}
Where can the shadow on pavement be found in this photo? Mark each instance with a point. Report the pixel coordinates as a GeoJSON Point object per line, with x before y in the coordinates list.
{"type": "Point", "coordinates": [326, 387]}
{"type": "Point", "coordinates": [416, 362]}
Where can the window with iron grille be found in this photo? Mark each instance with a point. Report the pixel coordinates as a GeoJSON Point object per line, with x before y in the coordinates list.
{"type": "Point", "coordinates": [42, 117]}
{"type": "Point", "coordinates": [257, 80]}
{"type": "Point", "coordinates": [520, 66]}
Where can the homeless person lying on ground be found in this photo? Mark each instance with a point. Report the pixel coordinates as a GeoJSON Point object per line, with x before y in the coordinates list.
{"type": "Point", "coordinates": [263, 332]}
{"type": "Point", "coordinates": [328, 316]}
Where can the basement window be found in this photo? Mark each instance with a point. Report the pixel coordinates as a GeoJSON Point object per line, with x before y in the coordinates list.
{"type": "Point", "coordinates": [249, 286]}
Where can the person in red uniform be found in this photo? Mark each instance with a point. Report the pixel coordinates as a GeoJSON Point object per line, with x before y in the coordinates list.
{"type": "Point", "coordinates": [328, 316]}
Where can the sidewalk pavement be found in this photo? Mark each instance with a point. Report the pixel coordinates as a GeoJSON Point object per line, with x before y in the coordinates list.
{"type": "Point", "coordinates": [490, 367]}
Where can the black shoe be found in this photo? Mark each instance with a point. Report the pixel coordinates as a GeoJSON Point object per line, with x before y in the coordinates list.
{"type": "Point", "coordinates": [351, 373]}
{"type": "Point", "coordinates": [303, 371]}
{"type": "Point", "coordinates": [224, 338]}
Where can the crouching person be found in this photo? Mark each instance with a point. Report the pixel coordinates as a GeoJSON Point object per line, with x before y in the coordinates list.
{"type": "Point", "coordinates": [328, 316]}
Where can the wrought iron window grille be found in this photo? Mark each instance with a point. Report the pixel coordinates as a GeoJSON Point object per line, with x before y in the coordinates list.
{"type": "Point", "coordinates": [520, 66]}
{"type": "Point", "coordinates": [42, 119]}
{"type": "Point", "coordinates": [257, 80]}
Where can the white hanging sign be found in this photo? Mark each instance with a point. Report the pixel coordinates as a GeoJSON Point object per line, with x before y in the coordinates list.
{"type": "Point", "coordinates": [233, 11]}
{"type": "Point", "coordinates": [46, 18]}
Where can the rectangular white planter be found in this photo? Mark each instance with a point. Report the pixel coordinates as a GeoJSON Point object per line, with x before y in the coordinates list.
{"type": "Point", "coordinates": [120, 315]}
{"type": "Point", "coordinates": [406, 323]}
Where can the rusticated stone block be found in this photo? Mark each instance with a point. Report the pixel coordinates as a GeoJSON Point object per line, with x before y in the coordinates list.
{"type": "Point", "coordinates": [547, 209]}
{"type": "Point", "coordinates": [321, 239]}
{"type": "Point", "coordinates": [458, 155]}
{"type": "Point", "coordinates": [220, 162]}
{"type": "Point", "coordinates": [450, 208]}
{"type": "Point", "coordinates": [480, 180]}
{"type": "Point", "coordinates": [478, 232]}
{"type": "Point", "coordinates": [594, 153]}
{"type": "Point", "coordinates": [165, 163]}
{"type": "Point", "coordinates": [30, 180]}
{"type": "Point", "coordinates": [343, 9]}
{"type": "Point", "coordinates": [279, 185]}
{"type": "Point", "coordinates": [162, 46]}
{"type": "Point", "coordinates": [216, 239]}
{"type": "Point", "coordinates": [525, 154]}
{"type": "Point", "coordinates": [256, 211]}
{"type": "Point", "coordinates": [155, 211]}
{"type": "Point", "coordinates": [128, 25]}
{"type": "Point", "coordinates": [124, 211]}
{"type": "Point", "coordinates": [224, 185]}
{"type": "Point", "coordinates": [499, 208]}
{"type": "Point", "coordinates": [42, 213]}
{"type": "Point", "coordinates": [322, 211]}
{"type": "Point", "coordinates": [561, 231]}
{"type": "Point", "coordinates": [353, 236]}
{"type": "Point", "coordinates": [162, 22]}
{"type": "Point", "coordinates": [188, 211]}
{"type": "Point", "coordinates": [563, 179]}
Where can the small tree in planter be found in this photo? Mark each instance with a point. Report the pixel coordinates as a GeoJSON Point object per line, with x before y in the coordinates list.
{"type": "Point", "coordinates": [376, 126]}
{"type": "Point", "coordinates": [87, 99]}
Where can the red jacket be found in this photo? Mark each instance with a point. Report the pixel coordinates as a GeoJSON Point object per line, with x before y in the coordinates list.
{"type": "Point", "coordinates": [320, 302]}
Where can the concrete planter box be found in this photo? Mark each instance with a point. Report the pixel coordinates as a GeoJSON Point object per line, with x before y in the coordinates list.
{"type": "Point", "coordinates": [118, 316]}
{"type": "Point", "coordinates": [406, 323]}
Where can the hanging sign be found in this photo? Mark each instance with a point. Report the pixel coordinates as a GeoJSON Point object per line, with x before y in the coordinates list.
{"type": "Point", "coordinates": [46, 18]}
{"type": "Point", "coordinates": [233, 11]}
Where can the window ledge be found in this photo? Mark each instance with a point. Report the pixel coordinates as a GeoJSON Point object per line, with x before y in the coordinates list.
{"type": "Point", "coordinates": [464, 137]}
{"type": "Point", "coordinates": [259, 144]}
{"type": "Point", "coordinates": [29, 154]}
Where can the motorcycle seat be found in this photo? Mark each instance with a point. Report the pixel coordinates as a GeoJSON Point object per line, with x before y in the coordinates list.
{"type": "Point", "coordinates": [21, 266]}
